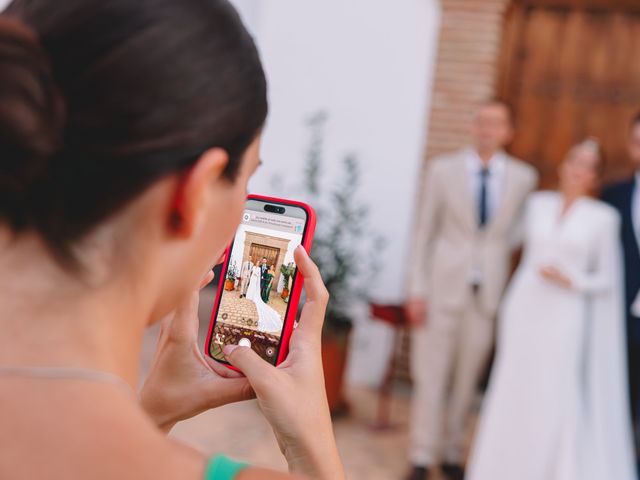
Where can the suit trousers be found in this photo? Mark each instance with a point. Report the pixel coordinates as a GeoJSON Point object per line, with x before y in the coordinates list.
{"type": "Point", "coordinates": [244, 284]}
{"type": "Point", "coordinates": [448, 356]}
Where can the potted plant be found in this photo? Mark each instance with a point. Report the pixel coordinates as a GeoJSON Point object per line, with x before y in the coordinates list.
{"type": "Point", "coordinates": [232, 275]}
{"type": "Point", "coordinates": [287, 272]}
{"type": "Point", "coordinates": [344, 249]}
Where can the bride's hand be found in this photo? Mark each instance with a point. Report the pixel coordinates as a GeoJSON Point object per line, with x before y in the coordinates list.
{"type": "Point", "coordinates": [554, 275]}
{"type": "Point", "coordinates": [292, 396]}
{"type": "Point", "coordinates": [182, 382]}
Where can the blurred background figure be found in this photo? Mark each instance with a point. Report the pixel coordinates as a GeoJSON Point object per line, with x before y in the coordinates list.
{"type": "Point", "coordinates": [625, 197]}
{"type": "Point", "coordinates": [556, 407]}
{"type": "Point", "coordinates": [472, 201]}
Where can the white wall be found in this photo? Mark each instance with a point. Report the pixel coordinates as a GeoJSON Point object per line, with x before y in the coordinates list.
{"type": "Point", "coordinates": [369, 65]}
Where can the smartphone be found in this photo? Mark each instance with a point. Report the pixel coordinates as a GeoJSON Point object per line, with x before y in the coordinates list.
{"type": "Point", "coordinates": [259, 287]}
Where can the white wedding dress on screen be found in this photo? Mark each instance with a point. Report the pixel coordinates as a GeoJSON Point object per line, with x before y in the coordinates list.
{"type": "Point", "coordinates": [268, 319]}
{"type": "Point", "coordinates": [556, 407]}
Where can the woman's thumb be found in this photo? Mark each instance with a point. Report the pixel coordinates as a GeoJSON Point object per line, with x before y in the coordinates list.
{"type": "Point", "coordinates": [248, 362]}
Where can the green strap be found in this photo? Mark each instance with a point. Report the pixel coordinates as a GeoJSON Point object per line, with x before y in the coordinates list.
{"type": "Point", "coordinates": [222, 468]}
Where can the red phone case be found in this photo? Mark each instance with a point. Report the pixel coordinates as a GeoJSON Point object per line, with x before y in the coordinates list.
{"type": "Point", "coordinates": [294, 296]}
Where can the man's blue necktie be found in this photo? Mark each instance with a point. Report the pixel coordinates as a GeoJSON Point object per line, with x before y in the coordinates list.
{"type": "Point", "coordinates": [483, 213]}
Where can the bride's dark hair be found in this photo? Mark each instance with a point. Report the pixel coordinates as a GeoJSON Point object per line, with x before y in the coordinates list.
{"type": "Point", "coordinates": [99, 99]}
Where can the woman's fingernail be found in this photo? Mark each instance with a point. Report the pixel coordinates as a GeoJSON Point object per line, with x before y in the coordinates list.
{"type": "Point", "coordinates": [228, 349]}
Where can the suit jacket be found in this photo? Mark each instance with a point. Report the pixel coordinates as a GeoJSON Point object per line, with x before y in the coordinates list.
{"type": "Point", "coordinates": [620, 196]}
{"type": "Point", "coordinates": [449, 245]}
{"type": "Point", "coordinates": [245, 271]}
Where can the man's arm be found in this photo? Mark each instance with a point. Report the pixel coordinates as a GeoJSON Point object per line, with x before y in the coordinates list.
{"type": "Point", "coordinates": [426, 224]}
{"type": "Point", "coordinates": [610, 195]}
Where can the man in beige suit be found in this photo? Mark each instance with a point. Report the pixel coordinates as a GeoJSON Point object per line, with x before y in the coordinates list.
{"type": "Point", "coordinates": [473, 201]}
{"type": "Point", "coordinates": [245, 274]}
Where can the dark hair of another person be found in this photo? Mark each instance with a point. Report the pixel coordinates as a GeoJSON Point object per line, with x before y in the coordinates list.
{"type": "Point", "coordinates": [99, 99]}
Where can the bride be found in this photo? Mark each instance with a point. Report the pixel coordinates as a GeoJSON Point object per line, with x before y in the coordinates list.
{"type": "Point", "coordinates": [268, 319]}
{"type": "Point", "coordinates": [556, 407]}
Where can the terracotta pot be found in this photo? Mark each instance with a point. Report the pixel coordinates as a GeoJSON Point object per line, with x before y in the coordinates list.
{"type": "Point", "coordinates": [229, 284]}
{"type": "Point", "coordinates": [285, 293]}
{"type": "Point", "coordinates": [334, 362]}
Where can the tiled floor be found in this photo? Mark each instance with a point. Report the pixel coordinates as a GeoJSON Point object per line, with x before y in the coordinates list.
{"type": "Point", "coordinates": [239, 430]}
{"type": "Point", "coordinates": [243, 313]}
{"type": "Point", "coordinates": [237, 311]}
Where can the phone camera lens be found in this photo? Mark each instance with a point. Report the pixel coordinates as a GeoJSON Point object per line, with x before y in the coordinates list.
{"type": "Point", "coordinates": [274, 209]}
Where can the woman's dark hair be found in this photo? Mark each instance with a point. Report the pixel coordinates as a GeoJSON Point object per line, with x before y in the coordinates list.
{"type": "Point", "coordinates": [101, 98]}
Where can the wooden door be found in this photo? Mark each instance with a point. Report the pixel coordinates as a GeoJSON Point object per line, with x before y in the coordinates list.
{"type": "Point", "coordinates": [571, 70]}
{"type": "Point", "coordinates": [258, 252]}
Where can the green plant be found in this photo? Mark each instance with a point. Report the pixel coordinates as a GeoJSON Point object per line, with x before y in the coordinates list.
{"type": "Point", "coordinates": [232, 271]}
{"type": "Point", "coordinates": [344, 246]}
{"type": "Point", "coordinates": [287, 272]}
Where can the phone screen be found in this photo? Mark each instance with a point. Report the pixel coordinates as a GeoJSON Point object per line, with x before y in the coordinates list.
{"type": "Point", "coordinates": [258, 280]}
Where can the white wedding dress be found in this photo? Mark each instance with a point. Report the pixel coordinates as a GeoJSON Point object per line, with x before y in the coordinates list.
{"type": "Point", "coordinates": [268, 319]}
{"type": "Point", "coordinates": [556, 407]}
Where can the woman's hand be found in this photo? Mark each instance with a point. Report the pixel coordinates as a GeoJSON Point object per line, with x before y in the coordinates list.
{"type": "Point", "coordinates": [292, 396]}
{"type": "Point", "coordinates": [182, 382]}
{"type": "Point", "coordinates": [554, 275]}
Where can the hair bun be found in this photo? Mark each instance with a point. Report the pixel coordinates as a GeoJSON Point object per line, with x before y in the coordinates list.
{"type": "Point", "coordinates": [32, 112]}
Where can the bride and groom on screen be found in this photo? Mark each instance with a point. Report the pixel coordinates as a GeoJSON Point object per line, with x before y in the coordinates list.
{"type": "Point", "coordinates": [255, 285]}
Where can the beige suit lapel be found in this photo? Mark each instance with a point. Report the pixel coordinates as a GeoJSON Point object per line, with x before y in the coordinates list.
{"type": "Point", "coordinates": [461, 190]}
{"type": "Point", "coordinates": [509, 192]}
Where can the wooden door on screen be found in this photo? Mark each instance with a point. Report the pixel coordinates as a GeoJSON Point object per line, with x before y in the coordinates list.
{"type": "Point", "coordinates": [258, 252]}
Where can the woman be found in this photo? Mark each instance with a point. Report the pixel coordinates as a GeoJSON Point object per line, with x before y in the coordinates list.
{"type": "Point", "coordinates": [128, 133]}
{"type": "Point", "coordinates": [268, 319]}
{"type": "Point", "coordinates": [271, 273]}
{"type": "Point", "coordinates": [556, 405]}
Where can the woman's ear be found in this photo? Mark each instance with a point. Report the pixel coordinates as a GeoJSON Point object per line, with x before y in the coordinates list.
{"type": "Point", "coordinates": [191, 191]}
